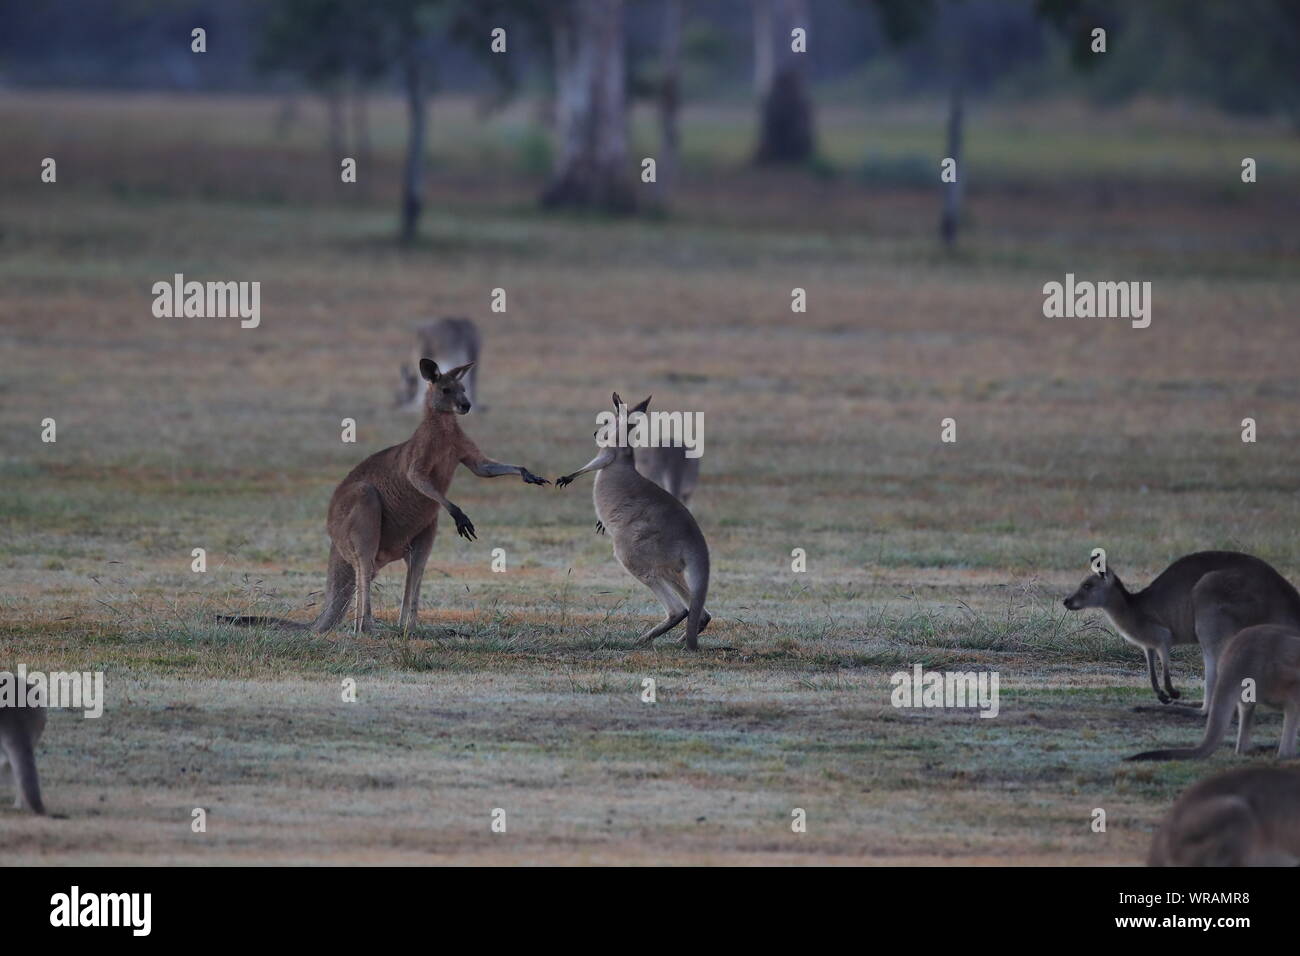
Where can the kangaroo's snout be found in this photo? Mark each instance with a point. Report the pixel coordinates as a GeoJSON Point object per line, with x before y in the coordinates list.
{"type": "Point", "coordinates": [1070, 604]}
{"type": "Point", "coordinates": [463, 408]}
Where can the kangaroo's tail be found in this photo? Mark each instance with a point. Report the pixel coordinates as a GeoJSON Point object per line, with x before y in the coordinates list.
{"type": "Point", "coordinates": [697, 580]}
{"type": "Point", "coordinates": [1215, 727]}
{"type": "Point", "coordinates": [340, 586]}
{"type": "Point", "coordinates": [22, 756]}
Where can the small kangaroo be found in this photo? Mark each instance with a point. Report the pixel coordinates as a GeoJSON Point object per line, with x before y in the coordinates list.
{"type": "Point", "coordinates": [450, 342]}
{"type": "Point", "coordinates": [20, 731]}
{"type": "Point", "coordinates": [387, 507]}
{"type": "Point", "coordinates": [1268, 655]}
{"type": "Point", "coordinates": [1245, 817]}
{"type": "Point", "coordinates": [669, 468]}
{"type": "Point", "coordinates": [655, 537]}
{"type": "Point", "coordinates": [1208, 597]}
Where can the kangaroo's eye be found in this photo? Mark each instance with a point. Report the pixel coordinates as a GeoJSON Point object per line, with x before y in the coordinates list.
{"type": "Point", "coordinates": [446, 391]}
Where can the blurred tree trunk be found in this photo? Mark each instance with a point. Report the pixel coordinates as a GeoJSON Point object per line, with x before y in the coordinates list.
{"type": "Point", "coordinates": [591, 108]}
{"type": "Point", "coordinates": [361, 133]}
{"type": "Point", "coordinates": [413, 175]}
{"type": "Point", "coordinates": [786, 122]}
{"type": "Point", "coordinates": [335, 133]}
{"type": "Point", "coordinates": [763, 48]}
{"type": "Point", "coordinates": [669, 101]}
{"type": "Point", "coordinates": [951, 217]}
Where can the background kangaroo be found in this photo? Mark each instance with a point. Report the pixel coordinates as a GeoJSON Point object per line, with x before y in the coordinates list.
{"type": "Point", "coordinates": [1270, 656]}
{"type": "Point", "coordinates": [656, 539]}
{"type": "Point", "coordinates": [20, 731]}
{"type": "Point", "coordinates": [387, 507]}
{"type": "Point", "coordinates": [1208, 597]}
{"type": "Point", "coordinates": [451, 342]}
{"type": "Point", "coordinates": [669, 468]}
{"type": "Point", "coordinates": [1247, 817]}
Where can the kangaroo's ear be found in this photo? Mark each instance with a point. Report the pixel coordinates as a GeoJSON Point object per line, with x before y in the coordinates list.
{"type": "Point", "coordinates": [429, 369]}
{"type": "Point", "coordinates": [617, 401]}
{"type": "Point", "coordinates": [457, 373]}
{"type": "Point", "coordinates": [644, 405]}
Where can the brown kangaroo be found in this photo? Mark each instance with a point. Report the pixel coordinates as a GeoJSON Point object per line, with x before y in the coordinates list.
{"type": "Point", "coordinates": [1245, 817]}
{"type": "Point", "coordinates": [20, 730]}
{"type": "Point", "coordinates": [1269, 656]}
{"type": "Point", "coordinates": [387, 507]}
{"type": "Point", "coordinates": [1204, 598]}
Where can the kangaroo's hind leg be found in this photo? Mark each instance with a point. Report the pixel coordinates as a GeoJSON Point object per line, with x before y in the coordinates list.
{"type": "Point", "coordinates": [1245, 719]}
{"type": "Point", "coordinates": [674, 608]}
{"type": "Point", "coordinates": [360, 544]}
{"type": "Point", "coordinates": [1286, 747]}
{"type": "Point", "coordinates": [417, 554]}
{"type": "Point", "coordinates": [683, 590]}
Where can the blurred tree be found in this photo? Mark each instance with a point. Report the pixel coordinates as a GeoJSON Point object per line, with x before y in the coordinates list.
{"type": "Point", "coordinates": [590, 107]}
{"type": "Point", "coordinates": [785, 109]}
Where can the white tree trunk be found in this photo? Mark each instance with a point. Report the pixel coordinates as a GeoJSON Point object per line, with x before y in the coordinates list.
{"type": "Point", "coordinates": [590, 107]}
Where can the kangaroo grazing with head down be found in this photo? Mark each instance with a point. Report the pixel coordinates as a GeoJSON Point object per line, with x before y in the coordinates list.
{"type": "Point", "coordinates": [451, 342]}
{"type": "Point", "coordinates": [1269, 656]}
{"type": "Point", "coordinates": [387, 507]}
{"type": "Point", "coordinates": [656, 539]}
{"type": "Point", "coordinates": [20, 731]}
{"type": "Point", "coordinates": [1206, 597]}
{"type": "Point", "coordinates": [1246, 817]}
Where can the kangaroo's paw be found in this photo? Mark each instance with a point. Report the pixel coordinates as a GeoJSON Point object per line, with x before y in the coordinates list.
{"type": "Point", "coordinates": [600, 528]}
{"type": "Point", "coordinates": [464, 527]}
{"type": "Point", "coordinates": [564, 481]}
{"type": "Point", "coordinates": [531, 479]}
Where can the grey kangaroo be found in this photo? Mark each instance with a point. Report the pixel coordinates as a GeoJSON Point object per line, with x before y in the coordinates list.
{"type": "Point", "coordinates": [386, 509]}
{"type": "Point", "coordinates": [1206, 597]}
{"type": "Point", "coordinates": [656, 538]}
{"type": "Point", "coordinates": [1268, 656]}
{"type": "Point", "coordinates": [20, 731]}
{"type": "Point", "coordinates": [450, 342]}
{"type": "Point", "coordinates": [669, 468]}
{"type": "Point", "coordinates": [1246, 817]}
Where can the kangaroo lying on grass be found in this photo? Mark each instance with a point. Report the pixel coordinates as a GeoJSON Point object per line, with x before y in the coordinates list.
{"type": "Point", "coordinates": [20, 731]}
{"type": "Point", "coordinates": [387, 507]}
{"type": "Point", "coordinates": [1269, 656]}
{"type": "Point", "coordinates": [450, 342]}
{"type": "Point", "coordinates": [655, 537]}
{"type": "Point", "coordinates": [1207, 597]}
{"type": "Point", "coordinates": [1247, 817]}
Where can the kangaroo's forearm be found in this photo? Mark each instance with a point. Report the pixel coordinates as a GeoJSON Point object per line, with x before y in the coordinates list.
{"type": "Point", "coordinates": [427, 488]}
{"type": "Point", "coordinates": [487, 468]}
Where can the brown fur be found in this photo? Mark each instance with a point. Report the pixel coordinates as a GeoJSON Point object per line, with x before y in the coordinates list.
{"type": "Point", "coordinates": [386, 509]}
{"type": "Point", "coordinates": [1247, 817]}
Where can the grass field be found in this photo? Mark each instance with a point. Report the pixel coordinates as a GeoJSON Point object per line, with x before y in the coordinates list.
{"type": "Point", "coordinates": [522, 690]}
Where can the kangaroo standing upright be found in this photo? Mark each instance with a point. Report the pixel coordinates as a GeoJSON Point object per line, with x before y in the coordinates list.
{"type": "Point", "coordinates": [656, 538]}
{"type": "Point", "coordinates": [450, 342]}
{"type": "Point", "coordinates": [1205, 597]}
{"type": "Point", "coordinates": [1269, 657]}
{"type": "Point", "coordinates": [20, 731]}
{"type": "Point", "coordinates": [1247, 817]}
{"type": "Point", "coordinates": [386, 509]}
